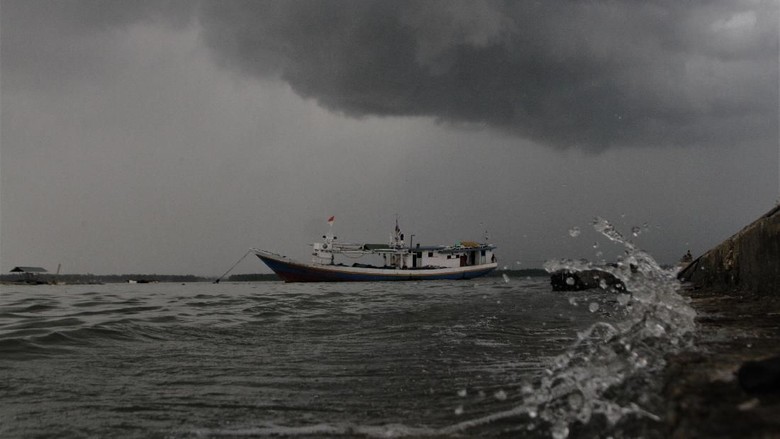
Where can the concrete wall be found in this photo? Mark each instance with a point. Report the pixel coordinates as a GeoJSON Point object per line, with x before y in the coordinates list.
{"type": "Point", "coordinates": [748, 261]}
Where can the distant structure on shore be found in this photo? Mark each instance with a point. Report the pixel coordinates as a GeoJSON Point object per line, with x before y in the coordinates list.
{"type": "Point", "coordinates": [29, 274]}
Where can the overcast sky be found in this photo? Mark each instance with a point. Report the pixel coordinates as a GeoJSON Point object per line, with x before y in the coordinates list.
{"type": "Point", "coordinates": [171, 136]}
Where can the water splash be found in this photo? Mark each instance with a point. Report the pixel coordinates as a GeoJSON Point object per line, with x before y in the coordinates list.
{"type": "Point", "coordinates": [581, 384]}
{"type": "Point", "coordinates": [657, 321]}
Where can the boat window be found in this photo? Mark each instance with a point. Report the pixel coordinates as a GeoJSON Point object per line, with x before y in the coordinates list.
{"type": "Point", "coordinates": [430, 254]}
{"type": "Point", "coordinates": [483, 252]}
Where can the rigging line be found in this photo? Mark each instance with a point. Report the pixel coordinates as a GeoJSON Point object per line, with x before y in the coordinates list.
{"type": "Point", "coordinates": [234, 266]}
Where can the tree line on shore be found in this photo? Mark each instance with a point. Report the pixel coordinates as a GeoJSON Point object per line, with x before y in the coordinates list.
{"type": "Point", "coordinates": [99, 278]}
{"type": "Point", "coordinates": [86, 279]}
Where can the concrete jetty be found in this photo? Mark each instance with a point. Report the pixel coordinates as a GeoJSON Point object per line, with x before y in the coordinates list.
{"type": "Point", "coordinates": [749, 261]}
{"type": "Point", "coordinates": [735, 289]}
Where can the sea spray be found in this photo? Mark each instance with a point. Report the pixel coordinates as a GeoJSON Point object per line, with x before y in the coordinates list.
{"type": "Point", "coordinates": [592, 378]}
{"type": "Point", "coordinates": [657, 321]}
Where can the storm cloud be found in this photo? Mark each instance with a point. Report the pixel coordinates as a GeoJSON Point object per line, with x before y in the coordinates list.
{"type": "Point", "coordinates": [571, 74]}
{"type": "Point", "coordinates": [170, 135]}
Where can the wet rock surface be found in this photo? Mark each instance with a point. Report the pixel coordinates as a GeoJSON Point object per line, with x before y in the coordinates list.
{"type": "Point", "coordinates": [728, 386]}
{"type": "Point", "coordinates": [704, 394]}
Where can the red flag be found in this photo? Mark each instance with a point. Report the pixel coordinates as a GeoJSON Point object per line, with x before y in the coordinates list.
{"type": "Point", "coordinates": [330, 220]}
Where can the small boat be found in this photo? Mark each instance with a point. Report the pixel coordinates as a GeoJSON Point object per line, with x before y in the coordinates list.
{"type": "Point", "coordinates": [397, 261]}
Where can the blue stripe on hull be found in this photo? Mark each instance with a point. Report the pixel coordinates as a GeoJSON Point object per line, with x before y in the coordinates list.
{"type": "Point", "coordinates": [293, 272]}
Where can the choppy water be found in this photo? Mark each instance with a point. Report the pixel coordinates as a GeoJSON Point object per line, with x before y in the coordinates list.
{"type": "Point", "coordinates": [492, 357]}
{"type": "Point", "coordinates": [170, 359]}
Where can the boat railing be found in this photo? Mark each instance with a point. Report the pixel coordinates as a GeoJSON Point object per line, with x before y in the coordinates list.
{"type": "Point", "coordinates": [266, 252]}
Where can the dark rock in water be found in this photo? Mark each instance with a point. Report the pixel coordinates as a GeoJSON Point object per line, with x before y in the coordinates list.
{"type": "Point", "coordinates": [760, 376]}
{"type": "Point", "coordinates": [565, 280]}
{"type": "Point", "coordinates": [748, 261]}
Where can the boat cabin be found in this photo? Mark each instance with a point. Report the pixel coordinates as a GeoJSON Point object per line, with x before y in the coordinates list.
{"type": "Point", "coordinates": [397, 255]}
{"type": "Point", "coordinates": [459, 255]}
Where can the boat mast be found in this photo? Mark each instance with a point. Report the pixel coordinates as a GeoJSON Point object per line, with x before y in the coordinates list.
{"type": "Point", "coordinates": [397, 238]}
{"type": "Point", "coordinates": [323, 251]}
{"type": "Point", "coordinates": [397, 244]}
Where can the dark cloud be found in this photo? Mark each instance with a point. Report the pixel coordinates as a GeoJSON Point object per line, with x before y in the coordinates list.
{"type": "Point", "coordinates": [127, 148]}
{"type": "Point", "coordinates": [590, 74]}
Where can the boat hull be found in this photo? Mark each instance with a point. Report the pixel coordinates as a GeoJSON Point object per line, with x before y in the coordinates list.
{"type": "Point", "coordinates": [292, 271]}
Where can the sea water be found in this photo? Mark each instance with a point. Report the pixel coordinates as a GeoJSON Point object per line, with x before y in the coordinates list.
{"type": "Point", "coordinates": [492, 357]}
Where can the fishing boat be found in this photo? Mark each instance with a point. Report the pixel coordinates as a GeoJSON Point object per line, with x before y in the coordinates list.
{"type": "Point", "coordinates": [395, 261]}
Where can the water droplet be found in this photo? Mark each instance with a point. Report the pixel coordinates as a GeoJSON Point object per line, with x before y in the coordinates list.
{"type": "Point", "coordinates": [595, 245]}
{"type": "Point", "coordinates": [506, 278]}
{"type": "Point", "coordinates": [575, 401]}
{"type": "Point", "coordinates": [462, 393]}
{"type": "Point", "coordinates": [572, 301]}
{"type": "Point", "coordinates": [459, 410]}
{"type": "Point", "coordinates": [569, 280]}
{"type": "Point", "coordinates": [500, 395]}
{"type": "Point", "coordinates": [655, 329]}
{"type": "Point", "coordinates": [636, 231]}
{"type": "Point", "coordinates": [749, 405]}
{"type": "Point", "coordinates": [559, 431]}
{"type": "Point", "coordinates": [603, 348]}
{"type": "Point", "coordinates": [603, 284]}
{"type": "Point", "coordinates": [574, 232]}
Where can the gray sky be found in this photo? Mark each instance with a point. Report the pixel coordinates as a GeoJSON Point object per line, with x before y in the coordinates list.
{"type": "Point", "coordinates": [171, 136]}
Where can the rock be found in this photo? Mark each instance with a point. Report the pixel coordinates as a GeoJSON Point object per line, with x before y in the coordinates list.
{"type": "Point", "coordinates": [565, 280]}
{"type": "Point", "coordinates": [760, 376]}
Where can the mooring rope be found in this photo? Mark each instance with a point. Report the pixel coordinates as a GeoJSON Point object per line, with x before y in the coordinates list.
{"type": "Point", "coordinates": [234, 266]}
